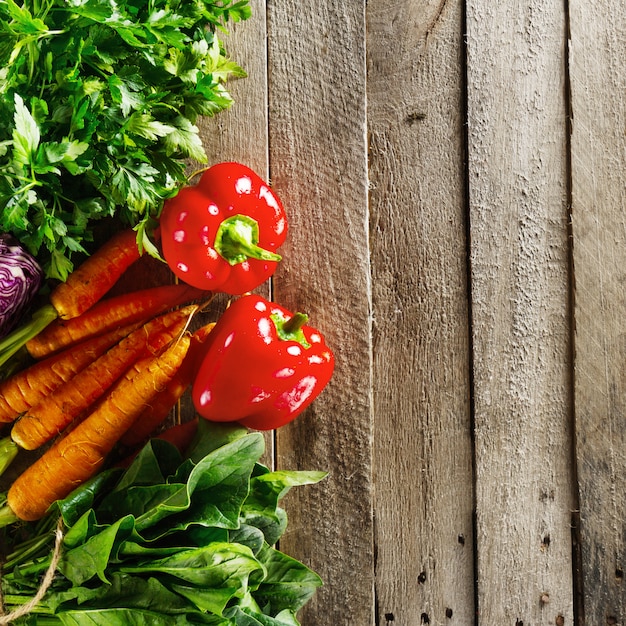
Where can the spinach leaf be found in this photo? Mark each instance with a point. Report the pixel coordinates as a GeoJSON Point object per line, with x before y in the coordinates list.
{"type": "Point", "coordinates": [170, 540]}
{"type": "Point", "coordinates": [289, 584]}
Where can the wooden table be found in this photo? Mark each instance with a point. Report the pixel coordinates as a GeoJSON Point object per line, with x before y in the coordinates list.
{"type": "Point", "coordinates": [454, 175]}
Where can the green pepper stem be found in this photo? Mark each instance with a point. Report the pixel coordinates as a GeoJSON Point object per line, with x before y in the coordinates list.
{"type": "Point", "coordinates": [291, 329]}
{"type": "Point", "coordinates": [295, 323]}
{"type": "Point", "coordinates": [237, 240]}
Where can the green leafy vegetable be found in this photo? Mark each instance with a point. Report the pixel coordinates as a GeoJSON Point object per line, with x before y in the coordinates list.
{"type": "Point", "coordinates": [98, 108]}
{"type": "Point", "coordinates": [170, 540]}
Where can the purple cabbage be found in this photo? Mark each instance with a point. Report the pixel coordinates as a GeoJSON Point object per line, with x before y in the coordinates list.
{"type": "Point", "coordinates": [20, 280]}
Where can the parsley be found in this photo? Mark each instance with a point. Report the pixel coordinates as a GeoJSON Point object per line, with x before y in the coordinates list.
{"type": "Point", "coordinates": [99, 101]}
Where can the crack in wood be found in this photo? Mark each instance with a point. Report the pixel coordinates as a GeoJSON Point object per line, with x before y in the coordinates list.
{"type": "Point", "coordinates": [436, 18]}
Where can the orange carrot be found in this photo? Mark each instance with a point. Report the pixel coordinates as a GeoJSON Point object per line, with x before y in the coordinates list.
{"type": "Point", "coordinates": [157, 411]}
{"type": "Point", "coordinates": [61, 407]}
{"type": "Point", "coordinates": [83, 288]}
{"type": "Point", "coordinates": [77, 456]}
{"type": "Point", "coordinates": [90, 281]}
{"type": "Point", "coordinates": [30, 386]}
{"type": "Point", "coordinates": [109, 313]}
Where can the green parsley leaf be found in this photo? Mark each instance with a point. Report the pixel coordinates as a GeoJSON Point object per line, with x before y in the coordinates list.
{"type": "Point", "coordinates": [99, 101]}
{"type": "Point", "coordinates": [26, 134]}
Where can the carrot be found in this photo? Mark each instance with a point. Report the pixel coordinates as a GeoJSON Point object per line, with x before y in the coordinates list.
{"type": "Point", "coordinates": [90, 281]}
{"type": "Point", "coordinates": [61, 407]}
{"type": "Point", "coordinates": [83, 288]}
{"type": "Point", "coordinates": [157, 411]}
{"type": "Point", "coordinates": [109, 313]}
{"type": "Point", "coordinates": [28, 387]}
{"type": "Point", "coordinates": [80, 454]}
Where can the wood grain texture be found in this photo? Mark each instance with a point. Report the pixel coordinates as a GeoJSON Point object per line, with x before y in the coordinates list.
{"type": "Point", "coordinates": [517, 154]}
{"type": "Point", "coordinates": [241, 134]}
{"type": "Point", "coordinates": [318, 164]}
{"type": "Point", "coordinates": [598, 85]}
{"type": "Point", "coordinates": [422, 425]}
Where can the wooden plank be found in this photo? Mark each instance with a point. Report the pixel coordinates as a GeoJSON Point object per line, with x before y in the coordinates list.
{"type": "Point", "coordinates": [517, 148]}
{"type": "Point", "coordinates": [241, 134]}
{"type": "Point", "coordinates": [598, 85]}
{"type": "Point", "coordinates": [422, 427]}
{"type": "Point", "coordinates": [318, 164]}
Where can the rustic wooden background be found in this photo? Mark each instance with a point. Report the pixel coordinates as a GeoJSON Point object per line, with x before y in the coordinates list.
{"type": "Point", "coordinates": [454, 175]}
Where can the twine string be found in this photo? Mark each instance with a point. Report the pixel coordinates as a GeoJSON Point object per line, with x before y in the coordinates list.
{"type": "Point", "coordinates": [46, 581]}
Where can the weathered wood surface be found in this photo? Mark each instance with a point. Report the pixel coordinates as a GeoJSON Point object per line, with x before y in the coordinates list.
{"type": "Point", "coordinates": [518, 217]}
{"type": "Point", "coordinates": [598, 86]}
{"type": "Point", "coordinates": [422, 446]}
{"type": "Point", "coordinates": [454, 175]}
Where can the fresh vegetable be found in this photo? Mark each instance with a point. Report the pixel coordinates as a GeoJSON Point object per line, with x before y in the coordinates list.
{"type": "Point", "coordinates": [20, 280]}
{"type": "Point", "coordinates": [263, 366]}
{"type": "Point", "coordinates": [155, 413]}
{"type": "Point", "coordinates": [78, 455]}
{"type": "Point", "coordinates": [91, 280]}
{"type": "Point", "coordinates": [222, 234]}
{"type": "Point", "coordinates": [182, 435]}
{"type": "Point", "coordinates": [83, 288]}
{"type": "Point", "coordinates": [98, 109]}
{"type": "Point", "coordinates": [109, 313]}
{"type": "Point", "coordinates": [67, 402]}
{"type": "Point", "coordinates": [169, 540]}
{"type": "Point", "coordinates": [29, 386]}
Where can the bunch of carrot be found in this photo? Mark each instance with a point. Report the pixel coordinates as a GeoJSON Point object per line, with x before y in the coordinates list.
{"type": "Point", "coordinates": [105, 369]}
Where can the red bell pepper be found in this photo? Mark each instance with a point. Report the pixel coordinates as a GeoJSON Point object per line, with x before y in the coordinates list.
{"type": "Point", "coordinates": [263, 366]}
{"type": "Point", "coordinates": [222, 234]}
